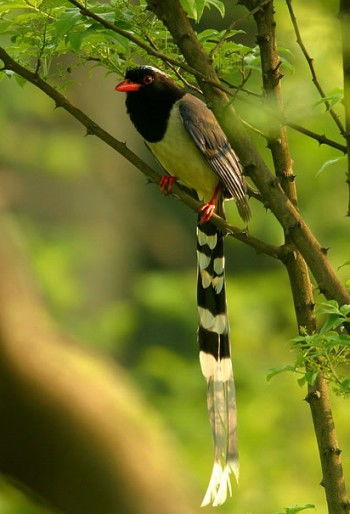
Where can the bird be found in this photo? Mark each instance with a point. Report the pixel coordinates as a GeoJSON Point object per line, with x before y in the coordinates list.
{"type": "Point", "coordinates": [187, 140]}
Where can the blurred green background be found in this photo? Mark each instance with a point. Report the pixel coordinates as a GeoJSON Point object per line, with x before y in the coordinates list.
{"type": "Point", "coordinates": [116, 264]}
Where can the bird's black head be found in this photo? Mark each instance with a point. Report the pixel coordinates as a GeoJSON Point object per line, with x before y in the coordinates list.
{"type": "Point", "coordinates": [151, 94]}
{"type": "Point", "coordinates": [148, 81]}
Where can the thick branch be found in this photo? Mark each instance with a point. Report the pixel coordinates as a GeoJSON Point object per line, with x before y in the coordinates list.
{"type": "Point", "coordinates": [333, 477]}
{"type": "Point", "coordinates": [345, 26]}
{"type": "Point", "coordinates": [310, 63]}
{"type": "Point", "coordinates": [271, 75]}
{"type": "Point", "coordinates": [171, 13]}
{"type": "Point", "coordinates": [95, 129]}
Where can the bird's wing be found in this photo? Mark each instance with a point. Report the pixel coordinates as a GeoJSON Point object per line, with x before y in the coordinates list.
{"type": "Point", "coordinates": [212, 142]}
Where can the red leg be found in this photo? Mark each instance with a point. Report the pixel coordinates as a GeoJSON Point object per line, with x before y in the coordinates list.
{"type": "Point", "coordinates": [208, 208]}
{"type": "Point", "coordinates": [166, 183]}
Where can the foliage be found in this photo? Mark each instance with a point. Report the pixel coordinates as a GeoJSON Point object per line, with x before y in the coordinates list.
{"type": "Point", "coordinates": [195, 8]}
{"type": "Point", "coordinates": [296, 508]}
{"type": "Point", "coordinates": [327, 351]}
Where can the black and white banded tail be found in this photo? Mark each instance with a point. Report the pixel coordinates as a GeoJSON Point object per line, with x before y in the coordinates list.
{"type": "Point", "coordinates": [215, 360]}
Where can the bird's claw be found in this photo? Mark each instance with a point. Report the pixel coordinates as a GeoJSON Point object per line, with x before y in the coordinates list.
{"type": "Point", "coordinates": [166, 183]}
{"type": "Point", "coordinates": [207, 211]}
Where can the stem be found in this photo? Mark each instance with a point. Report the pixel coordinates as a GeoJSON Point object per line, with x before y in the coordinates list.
{"type": "Point", "coordinates": [333, 478]}
{"type": "Point", "coordinates": [345, 26]}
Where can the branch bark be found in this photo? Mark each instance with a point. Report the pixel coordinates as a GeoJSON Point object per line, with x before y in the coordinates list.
{"type": "Point", "coordinates": [173, 16]}
{"type": "Point", "coordinates": [73, 429]}
{"type": "Point", "coordinates": [301, 287]}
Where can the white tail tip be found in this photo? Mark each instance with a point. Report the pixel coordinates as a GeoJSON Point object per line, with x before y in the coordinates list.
{"type": "Point", "coordinates": [220, 483]}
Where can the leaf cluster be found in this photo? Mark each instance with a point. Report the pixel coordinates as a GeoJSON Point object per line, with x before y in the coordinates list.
{"type": "Point", "coordinates": [39, 32]}
{"type": "Point", "coordinates": [326, 351]}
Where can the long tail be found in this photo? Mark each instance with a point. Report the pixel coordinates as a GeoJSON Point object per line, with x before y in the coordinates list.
{"type": "Point", "coordinates": [215, 361]}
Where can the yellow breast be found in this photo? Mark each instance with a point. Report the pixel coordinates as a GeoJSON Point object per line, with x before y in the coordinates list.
{"type": "Point", "coordinates": [179, 156]}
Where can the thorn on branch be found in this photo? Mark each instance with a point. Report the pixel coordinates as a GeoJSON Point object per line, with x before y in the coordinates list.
{"type": "Point", "coordinates": [313, 395]}
{"type": "Point", "coordinates": [274, 182]}
{"type": "Point", "coordinates": [325, 250]}
{"type": "Point", "coordinates": [261, 39]}
{"type": "Point", "coordinates": [322, 291]}
{"type": "Point", "coordinates": [332, 451]}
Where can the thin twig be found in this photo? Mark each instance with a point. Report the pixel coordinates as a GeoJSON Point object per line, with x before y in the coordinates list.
{"type": "Point", "coordinates": [41, 50]}
{"type": "Point", "coordinates": [321, 138]}
{"type": "Point", "coordinates": [92, 128]}
{"type": "Point", "coordinates": [310, 62]}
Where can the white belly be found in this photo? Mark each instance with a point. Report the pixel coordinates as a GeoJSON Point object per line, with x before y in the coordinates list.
{"type": "Point", "coordinates": [179, 156]}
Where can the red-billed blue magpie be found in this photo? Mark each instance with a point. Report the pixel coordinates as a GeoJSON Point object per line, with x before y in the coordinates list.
{"type": "Point", "coordinates": [185, 137]}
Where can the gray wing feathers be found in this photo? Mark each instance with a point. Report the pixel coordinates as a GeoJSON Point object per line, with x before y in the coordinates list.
{"type": "Point", "coordinates": [212, 142]}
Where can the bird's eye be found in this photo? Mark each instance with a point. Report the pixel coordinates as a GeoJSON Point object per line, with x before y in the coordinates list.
{"type": "Point", "coordinates": [148, 79]}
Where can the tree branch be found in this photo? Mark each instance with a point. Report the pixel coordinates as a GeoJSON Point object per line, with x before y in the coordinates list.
{"type": "Point", "coordinates": [321, 138]}
{"type": "Point", "coordinates": [93, 128]}
{"type": "Point", "coordinates": [302, 291]}
{"type": "Point", "coordinates": [173, 16]}
{"type": "Point", "coordinates": [310, 63]}
{"type": "Point", "coordinates": [344, 14]}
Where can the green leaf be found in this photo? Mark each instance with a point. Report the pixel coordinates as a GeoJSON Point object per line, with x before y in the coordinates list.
{"type": "Point", "coordinates": [333, 321]}
{"type": "Point", "coordinates": [310, 377]}
{"type": "Point", "coordinates": [330, 307]}
{"type": "Point", "coordinates": [218, 4]}
{"type": "Point", "coordinates": [67, 21]}
{"type": "Point", "coordinates": [293, 509]}
{"type": "Point", "coordinates": [200, 8]}
{"type": "Point", "coordinates": [326, 164]}
{"type": "Point", "coordinates": [14, 5]}
{"type": "Point", "coordinates": [276, 371]}
{"type": "Point", "coordinates": [346, 263]}
{"type": "Point", "coordinates": [190, 8]}
{"type": "Point", "coordinates": [335, 96]}
{"type": "Point", "coordinates": [345, 309]}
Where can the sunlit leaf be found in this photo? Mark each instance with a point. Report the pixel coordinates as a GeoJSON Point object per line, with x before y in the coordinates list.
{"type": "Point", "coordinates": [218, 4]}
{"type": "Point", "coordinates": [275, 371]}
{"type": "Point", "coordinates": [346, 263]}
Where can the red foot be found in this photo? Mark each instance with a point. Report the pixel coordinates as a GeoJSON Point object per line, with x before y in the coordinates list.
{"type": "Point", "coordinates": [207, 211]}
{"type": "Point", "coordinates": [208, 208]}
{"type": "Point", "coordinates": [166, 183]}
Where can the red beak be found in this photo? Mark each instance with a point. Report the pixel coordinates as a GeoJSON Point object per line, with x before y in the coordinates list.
{"type": "Point", "coordinates": [127, 85]}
